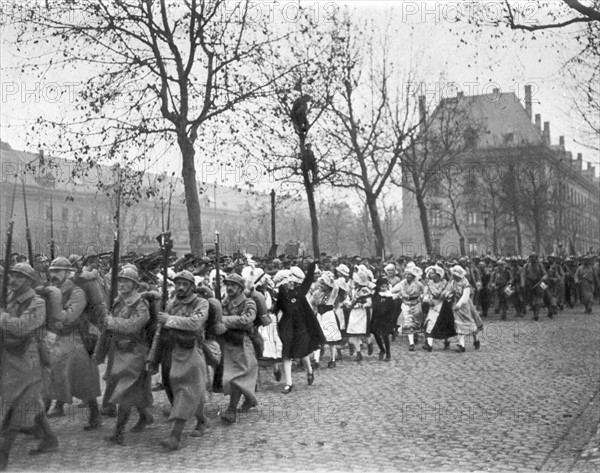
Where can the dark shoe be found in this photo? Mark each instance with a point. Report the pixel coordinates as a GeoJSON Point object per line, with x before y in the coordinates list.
{"type": "Point", "coordinates": [142, 423]}
{"type": "Point", "coordinates": [381, 355]}
{"type": "Point", "coordinates": [158, 387]}
{"type": "Point", "coordinates": [477, 344]}
{"type": "Point", "coordinates": [49, 444]}
{"type": "Point", "coordinates": [109, 411]}
{"type": "Point", "coordinates": [171, 443]}
{"type": "Point", "coordinates": [248, 404]}
{"type": "Point", "coordinates": [411, 348]}
{"type": "Point", "coordinates": [428, 347]}
{"type": "Point", "coordinates": [117, 438]}
{"type": "Point", "coordinates": [503, 317]}
{"type": "Point", "coordinates": [228, 416]}
{"type": "Point", "coordinates": [388, 359]}
{"type": "Point", "coordinates": [331, 364]}
{"type": "Point", "coordinates": [359, 356]}
{"type": "Point", "coordinates": [460, 349]}
{"type": "Point", "coordinates": [351, 350]}
{"type": "Point", "coordinates": [446, 345]}
{"type": "Point", "coordinates": [288, 389]}
{"type": "Point", "coordinates": [550, 315]}
{"type": "Point", "coordinates": [370, 349]}
{"type": "Point", "coordinates": [199, 431]}
{"type": "Point", "coordinates": [277, 375]}
{"type": "Point", "coordinates": [93, 424]}
{"type": "Point", "coordinates": [310, 377]}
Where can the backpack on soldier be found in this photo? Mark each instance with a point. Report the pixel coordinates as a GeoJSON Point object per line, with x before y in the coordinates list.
{"type": "Point", "coordinates": [95, 295]}
{"type": "Point", "coordinates": [53, 299]}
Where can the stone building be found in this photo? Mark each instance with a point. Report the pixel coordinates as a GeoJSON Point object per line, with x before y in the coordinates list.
{"type": "Point", "coordinates": [513, 192]}
{"type": "Point", "coordinates": [82, 216]}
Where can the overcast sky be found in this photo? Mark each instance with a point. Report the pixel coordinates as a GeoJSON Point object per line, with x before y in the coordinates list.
{"type": "Point", "coordinates": [425, 35]}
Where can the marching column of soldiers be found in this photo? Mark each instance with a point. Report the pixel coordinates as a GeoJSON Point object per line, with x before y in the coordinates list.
{"type": "Point", "coordinates": [211, 331]}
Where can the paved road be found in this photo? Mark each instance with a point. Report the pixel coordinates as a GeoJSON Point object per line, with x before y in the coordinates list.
{"type": "Point", "coordinates": [527, 401]}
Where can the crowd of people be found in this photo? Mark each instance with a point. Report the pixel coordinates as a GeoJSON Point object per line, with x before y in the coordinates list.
{"type": "Point", "coordinates": [213, 327]}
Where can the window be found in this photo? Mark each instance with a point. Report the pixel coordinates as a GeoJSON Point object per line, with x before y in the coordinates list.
{"type": "Point", "coordinates": [472, 218]}
{"type": "Point", "coordinates": [472, 246]}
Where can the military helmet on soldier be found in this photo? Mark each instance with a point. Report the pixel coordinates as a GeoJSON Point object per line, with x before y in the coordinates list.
{"type": "Point", "coordinates": [186, 276]}
{"type": "Point", "coordinates": [24, 269]}
{"type": "Point", "coordinates": [130, 274]}
{"type": "Point", "coordinates": [60, 263]}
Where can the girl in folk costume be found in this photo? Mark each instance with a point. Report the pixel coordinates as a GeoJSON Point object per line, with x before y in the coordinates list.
{"type": "Point", "coordinates": [439, 323]}
{"type": "Point", "coordinates": [464, 311]}
{"type": "Point", "coordinates": [410, 290]}
{"type": "Point", "coordinates": [384, 318]}
{"type": "Point", "coordinates": [299, 329]}
{"type": "Point", "coordinates": [324, 301]}
{"type": "Point", "coordinates": [343, 285]}
{"type": "Point", "coordinates": [359, 320]}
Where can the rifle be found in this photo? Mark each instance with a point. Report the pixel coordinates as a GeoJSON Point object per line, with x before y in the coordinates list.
{"type": "Point", "coordinates": [217, 271]}
{"type": "Point", "coordinates": [52, 245]}
{"type": "Point", "coordinates": [103, 344]}
{"type": "Point", "coordinates": [9, 236]}
{"type": "Point", "coordinates": [166, 244]}
{"type": "Point", "coordinates": [27, 232]}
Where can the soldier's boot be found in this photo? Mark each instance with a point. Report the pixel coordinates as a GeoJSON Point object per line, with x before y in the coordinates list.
{"type": "Point", "coordinates": [6, 441]}
{"type": "Point", "coordinates": [94, 420]}
{"type": "Point", "coordinates": [173, 442]}
{"type": "Point", "coordinates": [145, 419]}
{"type": "Point", "coordinates": [122, 417]}
{"type": "Point", "coordinates": [49, 441]}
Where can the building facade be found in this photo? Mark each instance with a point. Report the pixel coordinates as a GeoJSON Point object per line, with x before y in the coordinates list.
{"type": "Point", "coordinates": [512, 193]}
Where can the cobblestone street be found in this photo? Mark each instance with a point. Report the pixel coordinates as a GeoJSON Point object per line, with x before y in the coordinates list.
{"type": "Point", "coordinates": [528, 400]}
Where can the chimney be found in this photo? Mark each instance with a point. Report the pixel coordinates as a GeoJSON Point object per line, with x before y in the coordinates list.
{"type": "Point", "coordinates": [422, 111]}
{"type": "Point", "coordinates": [561, 142]}
{"type": "Point", "coordinates": [528, 101]}
{"type": "Point", "coordinates": [579, 162]}
{"type": "Point", "coordinates": [546, 133]}
{"type": "Point", "coordinates": [538, 122]}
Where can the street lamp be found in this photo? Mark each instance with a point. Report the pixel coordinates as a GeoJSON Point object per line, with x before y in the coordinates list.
{"type": "Point", "coordinates": [486, 215]}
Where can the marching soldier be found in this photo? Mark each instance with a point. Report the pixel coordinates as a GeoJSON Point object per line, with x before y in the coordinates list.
{"type": "Point", "coordinates": [240, 367]}
{"type": "Point", "coordinates": [501, 278]}
{"type": "Point", "coordinates": [21, 382]}
{"type": "Point", "coordinates": [184, 368]}
{"type": "Point", "coordinates": [72, 372]}
{"type": "Point", "coordinates": [533, 272]}
{"type": "Point", "coordinates": [131, 382]}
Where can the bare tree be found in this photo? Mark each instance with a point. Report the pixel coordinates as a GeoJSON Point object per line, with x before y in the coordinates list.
{"type": "Point", "coordinates": [161, 72]}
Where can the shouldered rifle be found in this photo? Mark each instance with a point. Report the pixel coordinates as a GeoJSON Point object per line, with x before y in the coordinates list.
{"type": "Point", "coordinates": [103, 344]}
{"type": "Point", "coordinates": [52, 245]}
{"type": "Point", "coordinates": [166, 244]}
{"type": "Point", "coordinates": [8, 251]}
{"type": "Point", "coordinates": [27, 231]}
{"type": "Point", "coordinates": [217, 269]}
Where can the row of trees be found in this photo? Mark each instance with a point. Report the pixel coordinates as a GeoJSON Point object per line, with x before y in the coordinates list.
{"type": "Point", "coordinates": [324, 103]}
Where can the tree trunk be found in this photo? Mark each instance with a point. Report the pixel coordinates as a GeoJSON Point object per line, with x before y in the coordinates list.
{"type": "Point", "coordinates": [424, 222]}
{"type": "Point", "coordinates": [188, 172]}
{"type": "Point", "coordinates": [310, 196]}
{"type": "Point", "coordinates": [376, 224]}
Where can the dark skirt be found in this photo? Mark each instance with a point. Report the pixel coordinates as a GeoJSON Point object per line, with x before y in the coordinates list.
{"type": "Point", "coordinates": [299, 336]}
{"type": "Point", "coordinates": [444, 325]}
{"type": "Point", "coordinates": [385, 315]}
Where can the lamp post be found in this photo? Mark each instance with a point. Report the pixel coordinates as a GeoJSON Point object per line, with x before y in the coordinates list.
{"type": "Point", "coordinates": [485, 212]}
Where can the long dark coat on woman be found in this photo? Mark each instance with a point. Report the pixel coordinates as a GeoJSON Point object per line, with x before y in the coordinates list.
{"type": "Point", "coordinates": [298, 328]}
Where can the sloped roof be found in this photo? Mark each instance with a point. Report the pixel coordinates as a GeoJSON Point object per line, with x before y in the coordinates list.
{"type": "Point", "coordinates": [502, 117]}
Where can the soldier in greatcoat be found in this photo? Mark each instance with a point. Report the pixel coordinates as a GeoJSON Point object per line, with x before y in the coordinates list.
{"type": "Point", "coordinates": [240, 367]}
{"type": "Point", "coordinates": [72, 372]}
{"type": "Point", "coordinates": [130, 315]}
{"type": "Point", "coordinates": [21, 386]}
{"type": "Point", "coordinates": [185, 376]}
